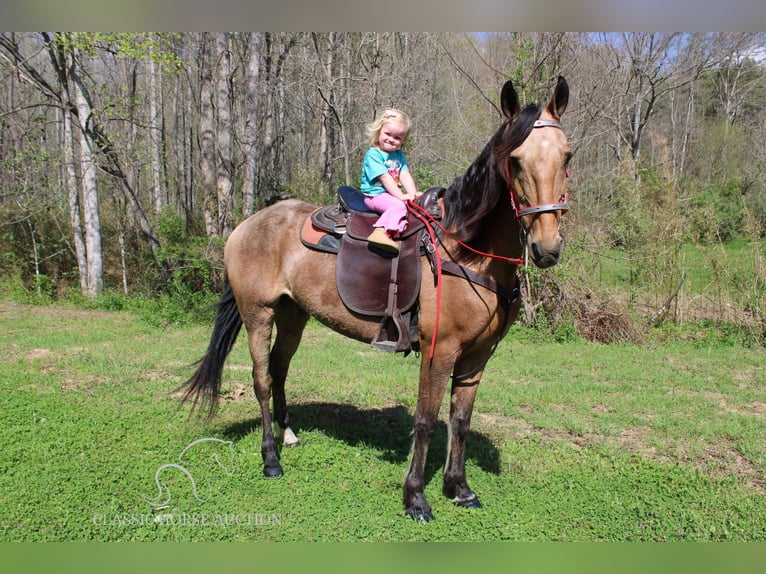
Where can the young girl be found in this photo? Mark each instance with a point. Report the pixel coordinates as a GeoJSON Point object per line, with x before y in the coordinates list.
{"type": "Point", "coordinates": [386, 179]}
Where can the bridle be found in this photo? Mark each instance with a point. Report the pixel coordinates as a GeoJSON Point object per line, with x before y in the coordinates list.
{"type": "Point", "coordinates": [560, 205]}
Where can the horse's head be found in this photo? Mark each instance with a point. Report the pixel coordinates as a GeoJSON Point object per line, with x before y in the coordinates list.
{"type": "Point", "coordinates": [535, 169]}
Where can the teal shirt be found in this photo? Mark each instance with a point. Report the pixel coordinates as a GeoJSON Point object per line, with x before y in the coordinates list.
{"type": "Point", "coordinates": [376, 163]}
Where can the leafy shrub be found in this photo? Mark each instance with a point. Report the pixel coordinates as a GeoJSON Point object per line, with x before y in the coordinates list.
{"type": "Point", "coordinates": [717, 212]}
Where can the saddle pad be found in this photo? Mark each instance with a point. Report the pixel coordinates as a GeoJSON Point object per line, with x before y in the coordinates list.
{"type": "Point", "coordinates": [330, 218]}
{"type": "Point", "coordinates": [363, 275]}
{"type": "Point", "coordinates": [317, 238]}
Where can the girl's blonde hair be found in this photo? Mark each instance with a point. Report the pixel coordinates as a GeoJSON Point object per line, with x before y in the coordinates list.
{"type": "Point", "coordinates": [388, 115]}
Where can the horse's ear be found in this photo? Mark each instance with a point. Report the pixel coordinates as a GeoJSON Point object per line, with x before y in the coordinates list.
{"type": "Point", "coordinates": [560, 98]}
{"type": "Point", "coordinates": [509, 101]}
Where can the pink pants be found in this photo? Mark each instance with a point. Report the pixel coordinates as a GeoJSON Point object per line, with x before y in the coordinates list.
{"type": "Point", "coordinates": [393, 212]}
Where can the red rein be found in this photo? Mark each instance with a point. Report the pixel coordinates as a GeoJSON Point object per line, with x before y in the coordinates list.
{"type": "Point", "coordinates": [427, 220]}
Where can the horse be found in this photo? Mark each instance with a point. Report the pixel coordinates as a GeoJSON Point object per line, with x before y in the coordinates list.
{"type": "Point", "coordinates": [510, 199]}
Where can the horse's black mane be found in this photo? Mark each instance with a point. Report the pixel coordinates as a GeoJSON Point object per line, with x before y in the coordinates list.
{"type": "Point", "coordinates": [474, 195]}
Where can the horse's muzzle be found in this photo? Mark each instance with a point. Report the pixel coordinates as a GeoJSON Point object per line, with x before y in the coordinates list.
{"type": "Point", "coordinates": [545, 256]}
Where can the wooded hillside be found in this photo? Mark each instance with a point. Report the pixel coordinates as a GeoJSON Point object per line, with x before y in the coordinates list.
{"type": "Point", "coordinates": [126, 159]}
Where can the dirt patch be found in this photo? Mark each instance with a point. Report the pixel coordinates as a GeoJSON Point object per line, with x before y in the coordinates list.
{"type": "Point", "coordinates": [751, 409]}
{"type": "Point", "coordinates": [240, 393]}
{"type": "Point", "coordinates": [81, 384]}
{"type": "Point", "coordinates": [35, 354]}
{"type": "Point", "coordinates": [508, 426]}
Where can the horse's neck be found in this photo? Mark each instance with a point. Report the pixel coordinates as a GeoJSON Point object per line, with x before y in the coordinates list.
{"type": "Point", "coordinates": [499, 240]}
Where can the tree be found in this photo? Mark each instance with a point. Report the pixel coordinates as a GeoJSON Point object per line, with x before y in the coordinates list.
{"type": "Point", "coordinates": [207, 163]}
{"type": "Point", "coordinates": [60, 57]}
{"type": "Point", "coordinates": [252, 105]}
{"type": "Point", "coordinates": [223, 134]}
{"type": "Point", "coordinates": [92, 216]}
{"type": "Point", "coordinates": [329, 117]}
{"type": "Point", "coordinates": [650, 66]}
{"type": "Point", "coordinates": [156, 133]}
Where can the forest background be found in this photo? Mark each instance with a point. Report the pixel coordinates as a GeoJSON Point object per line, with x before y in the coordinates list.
{"type": "Point", "coordinates": [127, 159]}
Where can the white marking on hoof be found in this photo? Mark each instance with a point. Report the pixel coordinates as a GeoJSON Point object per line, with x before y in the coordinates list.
{"type": "Point", "coordinates": [289, 438]}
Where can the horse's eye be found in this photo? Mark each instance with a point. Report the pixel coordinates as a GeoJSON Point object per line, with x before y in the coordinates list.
{"type": "Point", "coordinates": [515, 164]}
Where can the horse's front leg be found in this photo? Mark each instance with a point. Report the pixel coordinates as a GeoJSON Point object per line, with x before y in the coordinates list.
{"type": "Point", "coordinates": [431, 390]}
{"type": "Point", "coordinates": [455, 484]}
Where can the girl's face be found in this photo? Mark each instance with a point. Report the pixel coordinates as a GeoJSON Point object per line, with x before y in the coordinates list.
{"type": "Point", "coordinates": [392, 136]}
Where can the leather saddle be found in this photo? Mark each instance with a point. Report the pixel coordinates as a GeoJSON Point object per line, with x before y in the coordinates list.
{"type": "Point", "coordinates": [370, 281]}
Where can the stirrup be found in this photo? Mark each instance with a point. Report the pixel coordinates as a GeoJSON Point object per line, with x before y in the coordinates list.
{"type": "Point", "coordinates": [393, 325]}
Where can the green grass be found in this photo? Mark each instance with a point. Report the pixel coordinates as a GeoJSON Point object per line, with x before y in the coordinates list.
{"type": "Point", "coordinates": [570, 441]}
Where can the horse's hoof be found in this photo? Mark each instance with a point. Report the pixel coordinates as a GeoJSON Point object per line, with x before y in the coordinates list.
{"type": "Point", "coordinates": [289, 438]}
{"type": "Point", "coordinates": [420, 515]}
{"type": "Point", "coordinates": [471, 502]}
{"type": "Point", "coordinates": [272, 471]}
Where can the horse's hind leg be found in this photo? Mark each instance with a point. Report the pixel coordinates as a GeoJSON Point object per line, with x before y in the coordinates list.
{"type": "Point", "coordinates": [259, 325]}
{"type": "Point", "coordinates": [270, 371]}
{"type": "Point", "coordinates": [290, 320]}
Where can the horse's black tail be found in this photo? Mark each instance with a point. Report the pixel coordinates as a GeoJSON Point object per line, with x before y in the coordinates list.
{"type": "Point", "coordinates": [204, 386]}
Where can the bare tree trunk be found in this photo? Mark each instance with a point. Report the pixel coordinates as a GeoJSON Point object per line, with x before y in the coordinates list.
{"type": "Point", "coordinates": [687, 130]}
{"type": "Point", "coordinates": [74, 195]}
{"type": "Point", "coordinates": [281, 155]}
{"type": "Point", "coordinates": [123, 261]}
{"type": "Point", "coordinates": [344, 139]}
{"type": "Point", "coordinates": [155, 132]}
{"type": "Point", "coordinates": [176, 149]}
{"type": "Point", "coordinates": [89, 186]}
{"type": "Point", "coordinates": [251, 124]}
{"type": "Point", "coordinates": [266, 144]}
{"type": "Point", "coordinates": [223, 135]}
{"type": "Point", "coordinates": [62, 64]}
{"type": "Point", "coordinates": [327, 131]}
{"type": "Point", "coordinates": [61, 61]}
{"type": "Point", "coordinates": [36, 253]}
{"type": "Point", "coordinates": [188, 146]}
{"type": "Point", "coordinates": [207, 139]}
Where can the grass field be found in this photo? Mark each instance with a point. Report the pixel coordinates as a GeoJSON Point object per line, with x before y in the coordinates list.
{"type": "Point", "coordinates": [570, 441]}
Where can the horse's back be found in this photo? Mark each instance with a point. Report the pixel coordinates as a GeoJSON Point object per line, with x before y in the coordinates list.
{"type": "Point", "coordinates": [268, 225]}
{"type": "Point", "coordinates": [263, 250]}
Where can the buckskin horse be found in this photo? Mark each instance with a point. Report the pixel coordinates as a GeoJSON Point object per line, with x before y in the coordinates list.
{"type": "Point", "coordinates": [513, 194]}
